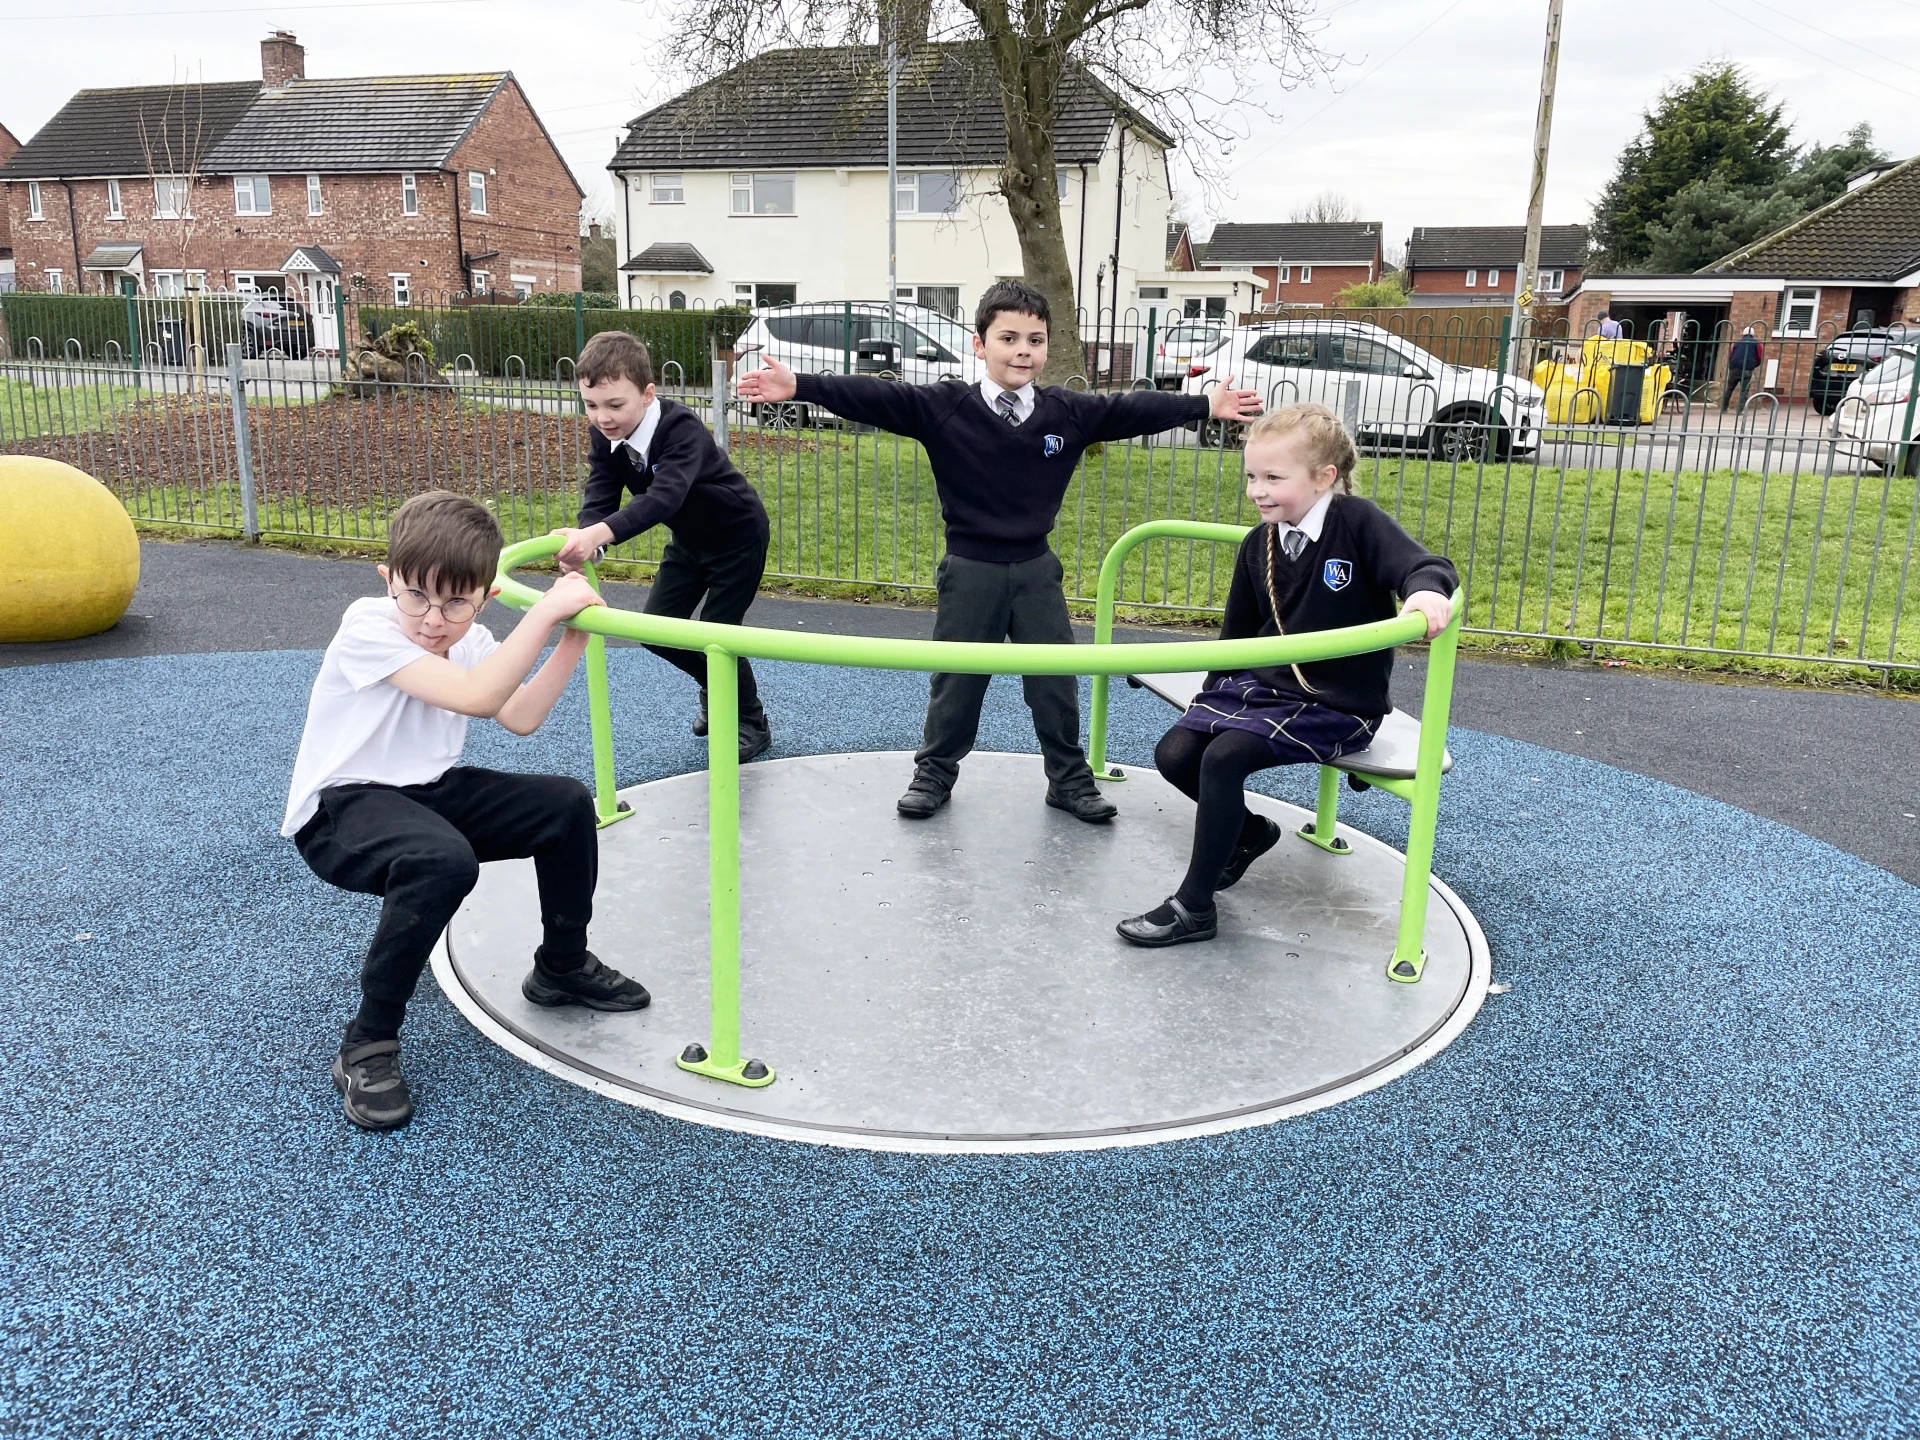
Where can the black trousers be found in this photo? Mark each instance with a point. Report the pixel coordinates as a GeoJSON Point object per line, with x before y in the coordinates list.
{"type": "Point", "coordinates": [987, 601]}
{"type": "Point", "coordinates": [420, 846]}
{"type": "Point", "coordinates": [729, 579]}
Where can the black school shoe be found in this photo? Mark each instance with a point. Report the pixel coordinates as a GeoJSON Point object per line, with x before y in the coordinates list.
{"type": "Point", "coordinates": [700, 716]}
{"type": "Point", "coordinates": [756, 737]}
{"type": "Point", "coordinates": [923, 797]}
{"type": "Point", "coordinates": [1245, 855]}
{"type": "Point", "coordinates": [1088, 805]}
{"type": "Point", "coordinates": [368, 1078]}
{"type": "Point", "coordinates": [596, 986]}
{"type": "Point", "coordinates": [1186, 925]}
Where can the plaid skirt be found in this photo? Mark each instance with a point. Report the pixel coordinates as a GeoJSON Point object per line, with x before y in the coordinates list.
{"type": "Point", "coordinates": [1300, 732]}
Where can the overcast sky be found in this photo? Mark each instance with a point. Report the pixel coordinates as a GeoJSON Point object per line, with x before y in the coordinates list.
{"type": "Point", "coordinates": [1429, 122]}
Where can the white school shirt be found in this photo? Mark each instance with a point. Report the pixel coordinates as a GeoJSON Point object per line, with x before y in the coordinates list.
{"type": "Point", "coordinates": [1023, 399]}
{"type": "Point", "coordinates": [363, 730]}
{"type": "Point", "coordinates": [1310, 523]}
{"type": "Point", "coordinates": [642, 436]}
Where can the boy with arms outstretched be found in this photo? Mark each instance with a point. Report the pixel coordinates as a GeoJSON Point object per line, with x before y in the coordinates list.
{"type": "Point", "coordinates": [380, 804]}
{"type": "Point", "coordinates": [1002, 454]}
{"type": "Point", "coordinates": [662, 454]}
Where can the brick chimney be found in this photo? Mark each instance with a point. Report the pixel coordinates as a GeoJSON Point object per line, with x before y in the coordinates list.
{"type": "Point", "coordinates": [282, 58]}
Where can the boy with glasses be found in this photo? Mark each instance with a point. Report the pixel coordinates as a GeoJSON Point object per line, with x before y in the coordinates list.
{"type": "Point", "coordinates": [380, 804]}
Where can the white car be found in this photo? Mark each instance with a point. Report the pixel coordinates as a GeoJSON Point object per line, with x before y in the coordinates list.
{"type": "Point", "coordinates": [1182, 350]}
{"type": "Point", "coordinates": [1390, 392]}
{"type": "Point", "coordinates": [859, 337]}
{"type": "Point", "coordinates": [1872, 418]}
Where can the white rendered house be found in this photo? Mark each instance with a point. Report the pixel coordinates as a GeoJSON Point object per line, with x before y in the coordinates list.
{"type": "Point", "coordinates": [769, 186]}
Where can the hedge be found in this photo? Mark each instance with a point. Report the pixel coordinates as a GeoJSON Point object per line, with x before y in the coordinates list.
{"type": "Point", "coordinates": [541, 337]}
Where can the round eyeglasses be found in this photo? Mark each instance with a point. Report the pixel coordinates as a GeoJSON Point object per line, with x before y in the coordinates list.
{"type": "Point", "coordinates": [456, 611]}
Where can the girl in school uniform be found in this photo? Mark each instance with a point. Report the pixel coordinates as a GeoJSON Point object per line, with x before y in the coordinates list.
{"type": "Point", "coordinates": [1322, 558]}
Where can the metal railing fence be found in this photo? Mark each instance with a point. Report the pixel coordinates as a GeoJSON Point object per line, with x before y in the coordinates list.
{"type": "Point", "coordinates": [1754, 534]}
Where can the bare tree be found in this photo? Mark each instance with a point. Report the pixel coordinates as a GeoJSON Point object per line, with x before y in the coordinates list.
{"type": "Point", "coordinates": [172, 140]}
{"type": "Point", "coordinates": [1329, 207]}
{"type": "Point", "coordinates": [1188, 68]}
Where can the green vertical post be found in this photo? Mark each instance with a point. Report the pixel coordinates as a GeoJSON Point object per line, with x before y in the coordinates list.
{"type": "Point", "coordinates": [579, 325]}
{"type": "Point", "coordinates": [1409, 951]}
{"type": "Point", "coordinates": [1153, 375]}
{"type": "Point", "coordinates": [1323, 829]}
{"type": "Point", "coordinates": [607, 807]}
{"type": "Point", "coordinates": [1903, 452]}
{"type": "Point", "coordinates": [1506, 348]}
{"type": "Point", "coordinates": [720, 1057]}
{"type": "Point", "coordinates": [133, 332]}
{"type": "Point", "coordinates": [340, 322]}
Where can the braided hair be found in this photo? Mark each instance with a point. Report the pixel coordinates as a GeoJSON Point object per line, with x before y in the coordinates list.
{"type": "Point", "coordinates": [1273, 598]}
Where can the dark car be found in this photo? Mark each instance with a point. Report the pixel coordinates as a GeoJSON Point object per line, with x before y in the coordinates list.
{"type": "Point", "coordinates": [1848, 358]}
{"type": "Point", "coordinates": [270, 323]}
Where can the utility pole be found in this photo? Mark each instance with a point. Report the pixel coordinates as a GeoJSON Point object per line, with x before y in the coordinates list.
{"type": "Point", "coordinates": [1529, 272]}
{"type": "Point", "coordinates": [893, 166]}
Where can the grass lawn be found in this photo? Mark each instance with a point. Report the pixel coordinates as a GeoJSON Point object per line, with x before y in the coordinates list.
{"type": "Point", "coordinates": [1794, 563]}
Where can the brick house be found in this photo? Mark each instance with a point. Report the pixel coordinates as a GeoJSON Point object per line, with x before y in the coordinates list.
{"type": "Point", "coordinates": [1853, 263]}
{"type": "Point", "coordinates": [399, 187]}
{"type": "Point", "coordinates": [8, 145]}
{"type": "Point", "coordinates": [1300, 264]}
{"type": "Point", "coordinates": [1476, 264]}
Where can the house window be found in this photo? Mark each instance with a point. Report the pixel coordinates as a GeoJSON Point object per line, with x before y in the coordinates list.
{"type": "Point", "coordinates": [251, 195]}
{"type": "Point", "coordinates": [1493, 279]}
{"type": "Point", "coordinates": [313, 195]}
{"type": "Point", "coordinates": [166, 283]}
{"type": "Point", "coordinates": [33, 201]}
{"type": "Point", "coordinates": [169, 198]}
{"type": "Point", "coordinates": [668, 189]}
{"type": "Point", "coordinates": [1060, 182]}
{"type": "Point", "coordinates": [1306, 274]}
{"type": "Point", "coordinates": [943, 298]}
{"type": "Point", "coordinates": [482, 282]}
{"type": "Point", "coordinates": [932, 194]}
{"type": "Point", "coordinates": [523, 285]}
{"type": "Point", "coordinates": [1799, 310]}
{"type": "Point", "coordinates": [476, 193]}
{"type": "Point", "coordinates": [1472, 275]}
{"type": "Point", "coordinates": [1153, 292]}
{"type": "Point", "coordinates": [114, 212]}
{"type": "Point", "coordinates": [409, 196]}
{"type": "Point", "coordinates": [1286, 275]}
{"type": "Point", "coordinates": [402, 287]}
{"type": "Point", "coordinates": [1552, 281]}
{"type": "Point", "coordinates": [763, 194]}
{"type": "Point", "coordinates": [56, 282]}
{"type": "Point", "coordinates": [760, 293]}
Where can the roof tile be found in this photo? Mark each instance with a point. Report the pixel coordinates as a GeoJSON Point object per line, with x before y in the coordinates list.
{"type": "Point", "coordinates": [1447, 247]}
{"type": "Point", "coordinates": [1347, 242]}
{"type": "Point", "coordinates": [1872, 233]}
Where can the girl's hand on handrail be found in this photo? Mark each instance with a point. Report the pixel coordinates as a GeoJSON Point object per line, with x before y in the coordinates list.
{"type": "Point", "coordinates": [1431, 603]}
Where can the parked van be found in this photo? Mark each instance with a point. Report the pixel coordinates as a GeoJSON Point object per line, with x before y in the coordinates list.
{"type": "Point", "coordinates": [1391, 393]}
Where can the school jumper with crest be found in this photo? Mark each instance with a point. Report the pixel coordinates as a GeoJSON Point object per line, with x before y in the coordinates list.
{"type": "Point", "coordinates": [1000, 487]}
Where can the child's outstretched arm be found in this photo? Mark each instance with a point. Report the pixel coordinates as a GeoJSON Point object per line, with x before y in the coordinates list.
{"type": "Point", "coordinates": [865, 399]}
{"type": "Point", "coordinates": [488, 686]}
{"type": "Point", "coordinates": [1148, 412]}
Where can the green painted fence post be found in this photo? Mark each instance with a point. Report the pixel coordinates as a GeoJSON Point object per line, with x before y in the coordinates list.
{"type": "Point", "coordinates": [579, 325]}
{"type": "Point", "coordinates": [133, 332]}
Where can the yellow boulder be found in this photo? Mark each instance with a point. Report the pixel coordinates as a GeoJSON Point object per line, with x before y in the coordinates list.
{"type": "Point", "coordinates": [69, 560]}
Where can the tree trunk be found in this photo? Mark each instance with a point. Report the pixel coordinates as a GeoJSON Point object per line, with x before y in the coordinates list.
{"type": "Point", "coordinates": [1027, 86]}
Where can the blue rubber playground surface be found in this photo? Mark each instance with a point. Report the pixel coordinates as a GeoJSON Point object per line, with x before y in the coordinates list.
{"type": "Point", "coordinates": [1668, 1185]}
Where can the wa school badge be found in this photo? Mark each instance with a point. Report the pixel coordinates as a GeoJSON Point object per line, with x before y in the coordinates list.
{"type": "Point", "coordinates": [1052, 445]}
{"type": "Point", "coordinates": [1337, 573]}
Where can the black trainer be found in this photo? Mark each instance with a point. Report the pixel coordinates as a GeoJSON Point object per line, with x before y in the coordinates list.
{"type": "Point", "coordinates": [596, 986]}
{"type": "Point", "coordinates": [700, 717]}
{"type": "Point", "coordinates": [368, 1078]}
{"type": "Point", "coordinates": [756, 737]}
{"type": "Point", "coordinates": [1245, 855]}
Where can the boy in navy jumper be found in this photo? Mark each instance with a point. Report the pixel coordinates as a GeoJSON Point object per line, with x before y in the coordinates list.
{"type": "Point", "coordinates": [1323, 559]}
{"type": "Point", "coordinates": [662, 453]}
{"type": "Point", "coordinates": [1002, 454]}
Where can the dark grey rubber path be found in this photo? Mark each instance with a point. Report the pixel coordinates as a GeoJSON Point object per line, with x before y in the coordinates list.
{"type": "Point", "coordinates": [1838, 766]}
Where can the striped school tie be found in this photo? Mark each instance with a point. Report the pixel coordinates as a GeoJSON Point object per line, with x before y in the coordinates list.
{"type": "Point", "coordinates": [1009, 407]}
{"type": "Point", "coordinates": [1292, 543]}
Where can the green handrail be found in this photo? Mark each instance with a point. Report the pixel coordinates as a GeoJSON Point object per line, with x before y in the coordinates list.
{"type": "Point", "coordinates": [723, 644]}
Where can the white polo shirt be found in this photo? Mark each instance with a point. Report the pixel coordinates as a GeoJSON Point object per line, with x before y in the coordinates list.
{"type": "Point", "coordinates": [361, 729]}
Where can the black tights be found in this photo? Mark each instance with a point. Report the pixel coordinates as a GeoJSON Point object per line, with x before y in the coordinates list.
{"type": "Point", "coordinates": [1212, 771]}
